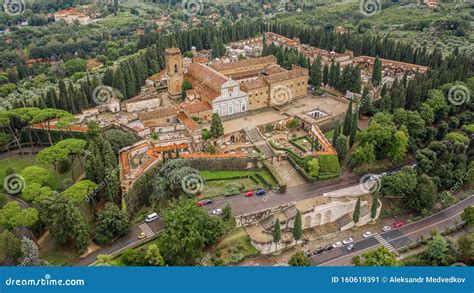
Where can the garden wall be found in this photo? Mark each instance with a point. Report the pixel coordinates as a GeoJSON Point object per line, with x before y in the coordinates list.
{"type": "Point", "coordinates": [224, 163]}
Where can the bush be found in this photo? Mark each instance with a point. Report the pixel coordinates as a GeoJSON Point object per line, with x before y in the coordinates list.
{"type": "Point", "coordinates": [132, 257]}
{"type": "Point", "coordinates": [235, 258]}
{"type": "Point", "coordinates": [329, 164]}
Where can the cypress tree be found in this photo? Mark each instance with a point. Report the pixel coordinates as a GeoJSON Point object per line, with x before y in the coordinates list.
{"type": "Point", "coordinates": [316, 73]}
{"type": "Point", "coordinates": [377, 71]}
{"type": "Point", "coordinates": [217, 129]}
{"type": "Point", "coordinates": [277, 231]}
{"type": "Point", "coordinates": [346, 128]}
{"type": "Point", "coordinates": [325, 74]}
{"type": "Point", "coordinates": [332, 75]}
{"type": "Point", "coordinates": [356, 214]}
{"type": "Point", "coordinates": [337, 132]}
{"type": "Point", "coordinates": [297, 227]}
{"type": "Point", "coordinates": [375, 205]}
{"type": "Point", "coordinates": [354, 125]}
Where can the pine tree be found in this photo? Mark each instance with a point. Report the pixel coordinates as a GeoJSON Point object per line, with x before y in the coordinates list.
{"type": "Point", "coordinates": [297, 227]}
{"type": "Point", "coordinates": [346, 127]}
{"type": "Point", "coordinates": [277, 231]}
{"type": "Point", "coordinates": [377, 72]}
{"type": "Point", "coordinates": [356, 214]}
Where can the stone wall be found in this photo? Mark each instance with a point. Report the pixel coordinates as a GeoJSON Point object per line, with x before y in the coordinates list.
{"type": "Point", "coordinates": [255, 217]}
{"type": "Point", "coordinates": [224, 163]}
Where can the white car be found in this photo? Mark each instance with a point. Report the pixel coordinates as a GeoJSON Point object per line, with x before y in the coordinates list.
{"type": "Point", "coordinates": [367, 234]}
{"type": "Point", "coordinates": [374, 177]}
{"type": "Point", "coordinates": [337, 244]}
{"type": "Point", "coordinates": [347, 241]}
{"type": "Point", "coordinates": [386, 228]}
{"type": "Point", "coordinates": [217, 211]}
{"type": "Point", "coordinates": [151, 217]}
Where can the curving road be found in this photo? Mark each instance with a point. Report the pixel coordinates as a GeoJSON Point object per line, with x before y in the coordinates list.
{"type": "Point", "coordinates": [396, 238]}
{"type": "Point", "coordinates": [240, 205]}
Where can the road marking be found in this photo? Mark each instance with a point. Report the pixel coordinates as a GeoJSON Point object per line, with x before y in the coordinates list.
{"type": "Point", "coordinates": [385, 243]}
{"type": "Point", "coordinates": [405, 235]}
{"type": "Point", "coordinates": [147, 230]}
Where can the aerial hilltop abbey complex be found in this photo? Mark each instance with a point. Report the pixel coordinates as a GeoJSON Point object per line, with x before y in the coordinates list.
{"type": "Point", "coordinates": [235, 87]}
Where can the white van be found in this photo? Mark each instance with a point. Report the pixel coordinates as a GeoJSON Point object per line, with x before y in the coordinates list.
{"type": "Point", "coordinates": [151, 217]}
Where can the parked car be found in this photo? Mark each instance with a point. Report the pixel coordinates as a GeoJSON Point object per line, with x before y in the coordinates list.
{"type": "Point", "coordinates": [337, 244]}
{"type": "Point", "coordinates": [308, 253]}
{"type": "Point", "coordinates": [367, 234]}
{"type": "Point", "coordinates": [204, 202]}
{"type": "Point", "coordinates": [386, 228]}
{"type": "Point", "coordinates": [328, 248]}
{"type": "Point", "coordinates": [249, 194]}
{"type": "Point", "coordinates": [383, 174]}
{"type": "Point", "coordinates": [374, 177]}
{"type": "Point", "coordinates": [141, 235]}
{"type": "Point", "coordinates": [348, 241]}
{"type": "Point", "coordinates": [260, 192]}
{"type": "Point", "coordinates": [217, 211]}
{"type": "Point", "coordinates": [151, 217]}
{"type": "Point", "coordinates": [318, 251]}
{"type": "Point", "coordinates": [350, 247]}
{"type": "Point", "coordinates": [398, 224]}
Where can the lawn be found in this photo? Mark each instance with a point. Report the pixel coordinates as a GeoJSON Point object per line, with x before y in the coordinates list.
{"type": "Point", "coordinates": [56, 254]}
{"type": "Point", "coordinates": [20, 162]}
{"type": "Point", "coordinates": [225, 183]}
{"type": "Point", "coordinates": [206, 175]}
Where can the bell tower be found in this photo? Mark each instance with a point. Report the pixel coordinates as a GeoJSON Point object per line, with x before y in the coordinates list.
{"type": "Point", "coordinates": [174, 69]}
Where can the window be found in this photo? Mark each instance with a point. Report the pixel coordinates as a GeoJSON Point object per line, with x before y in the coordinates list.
{"type": "Point", "coordinates": [230, 109]}
{"type": "Point", "coordinates": [176, 68]}
{"type": "Point", "coordinates": [244, 106]}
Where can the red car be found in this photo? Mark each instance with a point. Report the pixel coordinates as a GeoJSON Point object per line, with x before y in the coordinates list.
{"type": "Point", "coordinates": [398, 224]}
{"type": "Point", "coordinates": [249, 194]}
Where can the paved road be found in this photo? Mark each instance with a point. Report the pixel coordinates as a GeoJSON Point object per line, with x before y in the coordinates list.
{"type": "Point", "coordinates": [240, 205]}
{"type": "Point", "coordinates": [396, 238]}
{"type": "Point", "coordinates": [127, 240]}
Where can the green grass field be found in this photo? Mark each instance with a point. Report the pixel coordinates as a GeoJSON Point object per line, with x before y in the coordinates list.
{"type": "Point", "coordinates": [20, 162]}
